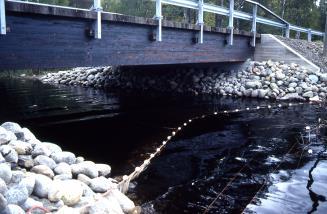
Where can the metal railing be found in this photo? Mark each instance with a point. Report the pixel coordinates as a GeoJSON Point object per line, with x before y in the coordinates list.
{"type": "Point", "coordinates": [200, 7]}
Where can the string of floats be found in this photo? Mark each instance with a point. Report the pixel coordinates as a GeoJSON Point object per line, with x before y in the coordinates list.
{"type": "Point", "coordinates": [124, 184]}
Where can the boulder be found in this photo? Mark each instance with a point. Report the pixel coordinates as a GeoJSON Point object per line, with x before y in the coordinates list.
{"type": "Point", "coordinates": [5, 172]}
{"type": "Point", "coordinates": [45, 160]}
{"type": "Point", "coordinates": [87, 168]}
{"type": "Point", "coordinates": [9, 154]}
{"type": "Point", "coordinates": [43, 169]}
{"type": "Point", "coordinates": [67, 157]}
{"type": "Point", "coordinates": [69, 191]}
{"type": "Point", "coordinates": [42, 185]}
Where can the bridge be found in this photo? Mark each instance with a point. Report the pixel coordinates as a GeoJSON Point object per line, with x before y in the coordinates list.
{"type": "Point", "coordinates": [41, 36]}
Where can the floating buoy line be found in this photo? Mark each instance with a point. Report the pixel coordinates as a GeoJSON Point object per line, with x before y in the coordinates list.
{"type": "Point", "coordinates": [126, 179]}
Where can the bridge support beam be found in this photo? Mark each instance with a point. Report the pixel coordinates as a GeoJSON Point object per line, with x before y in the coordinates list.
{"type": "Point", "coordinates": [159, 18]}
{"type": "Point", "coordinates": [231, 23]}
{"type": "Point", "coordinates": [309, 35]}
{"type": "Point", "coordinates": [3, 27]}
{"type": "Point", "coordinates": [254, 25]}
{"type": "Point", "coordinates": [287, 31]}
{"type": "Point", "coordinates": [200, 21]}
{"type": "Point", "coordinates": [97, 25]}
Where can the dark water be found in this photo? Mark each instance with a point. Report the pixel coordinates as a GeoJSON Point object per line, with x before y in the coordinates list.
{"type": "Point", "coordinates": [256, 162]}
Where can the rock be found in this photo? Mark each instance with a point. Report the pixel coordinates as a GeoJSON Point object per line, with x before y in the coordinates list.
{"type": "Point", "coordinates": [14, 128]}
{"type": "Point", "coordinates": [13, 209]}
{"type": "Point", "coordinates": [253, 84]}
{"type": "Point", "coordinates": [63, 168]}
{"type": "Point", "coordinates": [255, 93]}
{"type": "Point", "coordinates": [63, 177]}
{"type": "Point", "coordinates": [45, 160]}
{"type": "Point", "coordinates": [323, 77]}
{"type": "Point", "coordinates": [299, 90]}
{"type": "Point", "coordinates": [313, 78]}
{"type": "Point", "coordinates": [87, 168]}
{"type": "Point", "coordinates": [22, 148]}
{"type": "Point", "coordinates": [84, 179]}
{"type": "Point", "coordinates": [3, 187]}
{"type": "Point", "coordinates": [69, 191]}
{"type": "Point", "coordinates": [25, 161]}
{"type": "Point", "coordinates": [67, 210]}
{"type": "Point", "coordinates": [103, 205]}
{"type": "Point", "coordinates": [29, 203]}
{"type": "Point", "coordinates": [292, 85]}
{"type": "Point", "coordinates": [9, 154]}
{"type": "Point", "coordinates": [101, 184]}
{"type": "Point", "coordinates": [125, 203]}
{"type": "Point", "coordinates": [17, 194]}
{"type": "Point", "coordinates": [6, 136]}
{"type": "Point", "coordinates": [292, 96]}
{"type": "Point", "coordinates": [52, 147]}
{"type": "Point", "coordinates": [28, 182]}
{"type": "Point", "coordinates": [3, 203]}
{"type": "Point", "coordinates": [308, 94]}
{"type": "Point", "coordinates": [280, 75]}
{"type": "Point", "coordinates": [315, 99]}
{"type": "Point", "coordinates": [2, 159]}
{"type": "Point", "coordinates": [5, 173]}
{"type": "Point", "coordinates": [66, 157]}
{"type": "Point", "coordinates": [43, 169]}
{"type": "Point", "coordinates": [273, 86]}
{"type": "Point", "coordinates": [17, 176]}
{"type": "Point", "coordinates": [41, 149]}
{"type": "Point", "coordinates": [28, 135]}
{"type": "Point", "coordinates": [262, 93]}
{"type": "Point", "coordinates": [80, 159]}
{"type": "Point", "coordinates": [103, 169]}
{"type": "Point", "coordinates": [42, 185]}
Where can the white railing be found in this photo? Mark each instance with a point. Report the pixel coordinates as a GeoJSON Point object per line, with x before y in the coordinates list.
{"type": "Point", "coordinates": [198, 5]}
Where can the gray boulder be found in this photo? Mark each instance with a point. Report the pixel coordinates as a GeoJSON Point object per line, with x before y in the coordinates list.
{"type": "Point", "coordinates": [42, 185]}
{"type": "Point", "coordinates": [87, 168]}
{"type": "Point", "coordinates": [43, 169]}
{"type": "Point", "coordinates": [13, 209]}
{"type": "Point", "coordinates": [14, 128]}
{"type": "Point", "coordinates": [17, 194]}
{"type": "Point", "coordinates": [9, 154]}
{"type": "Point", "coordinates": [5, 172]}
{"type": "Point", "coordinates": [3, 203]}
{"type": "Point", "coordinates": [67, 157]}
{"type": "Point", "coordinates": [45, 160]}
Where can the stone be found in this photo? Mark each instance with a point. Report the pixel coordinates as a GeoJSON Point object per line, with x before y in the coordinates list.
{"type": "Point", "coordinates": [125, 203]}
{"type": "Point", "coordinates": [103, 169]}
{"type": "Point", "coordinates": [83, 178]}
{"type": "Point", "coordinates": [29, 182]}
{"type": "Point", "coordinates": [103, 205]}
{"type": "Point", "coordinates": [41, 149]}
{"type": "Point", "coordinates": [80, 159]}
{"type": "Point", "coordinates": [13, 209]}
{"type": "Point", "coordinates": [43, 169]}
{"type": "Point", "coordinates": [315, 99]}
{"type": "Point", "coordinates": [67, 210]}
{"type": "Point", "coordinates": [6, 136]}
{"type": "Point", "coordinates": [5, 172]}
{"type": "Point", "coordinates": [308, 94]}
{"type": "Point", "coordinates": [280, 75]}
{"type": "Point", "coordinates": [255, 93]}
{"type": "Point", "coordinates": [313, 78]}
{"type": "Point", "coordinates": [87, 168]}
{"type": "Point", "coordinates": [69, 191]}
{"type": "Point", "coordinates": [42, 185]}
{"type": "Point", "coordinates": [63, 168]}
{"type": "Point", "coordinates": [101, 184]}
{"type": "Point", "coordinates": [298, 90]}
{"type": "Point", "coordinates": [2, 159]}
{"type": "Point", "coordinates": [29, 203]}
{"type": "Point", "coordinates": [66, 157]}
{"type": "Point", "coordinates": [52, 147]}
{"type": "Point", "coordinates": [63, 177]}
{"type": "Point", "coordinates": [323, 77]}
{"type": "Point", "coordinates": [28, 135]}
{"type": "Point", "coordinates": [3, 187]}
{"type": "Point", "coordinates": [17, 194]}
{"type": "Point", "coordinates": [262, 93]}
{"type": "Point", "coordinates": [253, 84]}
{"type": "Point", "coordinates": [45, 160]}
{"type": "Point", "coordinates": [292, 84]}
{"type": "Point", "coordinates": [9, 154]}
{"type": "Point", "coordinates": [21, 147]}
{"type": "Point", "coordinates": [3, 203]}
{"type": "Point", "coordinates": [14, 128]}
{"type": "Point", "coordinates": [17, 176]}
{"type": "Point", "coordinates": [25, 161]}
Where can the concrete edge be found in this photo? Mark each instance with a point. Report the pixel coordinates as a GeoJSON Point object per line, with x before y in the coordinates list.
{"type": "Point", "coordinates": [294, 52]}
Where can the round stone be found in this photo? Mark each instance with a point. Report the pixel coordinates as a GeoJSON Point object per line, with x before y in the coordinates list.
{"type": "Point", "coordinates": [66, 157]}
{"type": "Point", "coordinates": [87, 168]}
{"type": "Point", "coordinates": [42, 185]}
{"type": "Point", "coordinates": [45, 160]}
{"type": "Point", "coordinates": [103, 169]}
{"type": "Point", "coordinates": [43, 169]}
{"type": "Point", "coordinates": [17, 194]}
{"type": "Point", "coordinates": [9, 154]}
{"type": "Point", "coordinates": [5, 172]}
{"type": "Point", "coordinates": [101, 184]}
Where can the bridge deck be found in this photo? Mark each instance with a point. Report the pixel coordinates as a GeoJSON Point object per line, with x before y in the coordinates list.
{"type": "Point", "coordinates": [41, 36]}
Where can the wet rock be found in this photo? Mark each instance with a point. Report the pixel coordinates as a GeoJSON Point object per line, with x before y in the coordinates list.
{"type": "Point", "coordinates": [42, 185]}
{"type": "Point", "coordinates": [5, 172]}
{"type": "Point", "coordinates": [67, 157]}
{"type": "Point", "coordinates": [87, 168]}
{"type": "Point", "coordinates": [43, 169]}
{"type": "Point", "coordinates": [45, 160]}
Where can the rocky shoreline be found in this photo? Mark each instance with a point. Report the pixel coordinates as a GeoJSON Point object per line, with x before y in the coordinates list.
{"type": "Point", "coordinates": [38, 177]}
{"type": "Point", "coordinates": [266, 80]}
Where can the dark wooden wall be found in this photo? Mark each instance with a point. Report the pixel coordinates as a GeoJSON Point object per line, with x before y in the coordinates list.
{"type": "Point", "coordinates": [42, 37]}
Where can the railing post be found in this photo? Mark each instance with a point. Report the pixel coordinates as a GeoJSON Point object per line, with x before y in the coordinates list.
{"type": "Point", "coordinates": [200, 20]}
{"type": "Point", "coordinates": [254, 25]}
{"type": "Point", "coordinates": [231, 22]}
{"type": "Point", "coordinates": [3, 27]}
{"type": "Point", "coordinates": [159, 18]}
{"type": "Point", "coordinates": [98, 25]}
{"type": "Point", "coordinates": [309, 35]}
{"type": "Point", "coordinates": [287, 31]}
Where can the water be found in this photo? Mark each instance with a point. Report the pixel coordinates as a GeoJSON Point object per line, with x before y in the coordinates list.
{"type": "Point", "coordinates": [258, 150]}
